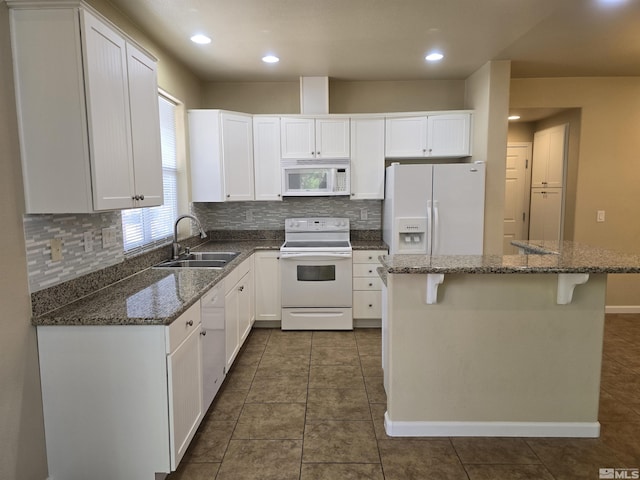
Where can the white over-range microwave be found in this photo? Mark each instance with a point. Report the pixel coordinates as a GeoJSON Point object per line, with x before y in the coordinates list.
{"type": "Point", "coordinates": [315, 177]}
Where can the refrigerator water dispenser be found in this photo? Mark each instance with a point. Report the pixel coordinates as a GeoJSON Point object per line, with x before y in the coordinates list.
{"type": "Point", "coordinates": [412, 234]}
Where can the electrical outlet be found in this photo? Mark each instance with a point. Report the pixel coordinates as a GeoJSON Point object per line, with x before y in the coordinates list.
{"type": "Point", "coordinates": [364, 214]}
{"type": "Point", "coordinates": [88, 241]}
{"type": "Point", "coordinates": [108, 237]}
{"type": "Point", "coordinates": [56, 249]}
{"type": "Point", "coordinates": [600, 216]}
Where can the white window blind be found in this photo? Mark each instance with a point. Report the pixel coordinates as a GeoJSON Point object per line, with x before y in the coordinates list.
{"type": "Point", "coordinates": [146, 228]}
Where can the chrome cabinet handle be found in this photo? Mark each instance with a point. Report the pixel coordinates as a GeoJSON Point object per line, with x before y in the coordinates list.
{"type": "Point", "coordinates": [141, 197]}
{"type": "Point", "coordinates": [241, 288]}
{"type": "Point", "coordinates": [189, 323]}
{"type": "Point", "coordinates": [203, 333]}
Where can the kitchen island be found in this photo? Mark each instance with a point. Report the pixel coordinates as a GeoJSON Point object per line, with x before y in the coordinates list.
{"type": "Point", "coordinates": [496, 345]}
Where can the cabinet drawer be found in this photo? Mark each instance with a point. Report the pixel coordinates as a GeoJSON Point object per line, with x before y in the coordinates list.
{"type": "Point", "coordinates": [367, 283]}
{"type": "Point", "coordinates": [237, 273]}
{"type": "Point", "coordinates": [367, 304]}
{"type": "Point", "coordinates": [365, 269]}
{"type": "Point", "coordinates": [367, 256]}
{"type": "Point", "coordinates": [182, 326]}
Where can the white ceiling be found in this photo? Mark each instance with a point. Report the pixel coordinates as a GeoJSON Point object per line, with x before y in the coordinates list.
{"type": "Point", "coordinates": [388, 39]}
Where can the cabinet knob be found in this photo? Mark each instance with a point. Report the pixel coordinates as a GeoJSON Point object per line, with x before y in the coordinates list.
{"type": "Point", "coordinates": [189, 323]}
{"type": "Point", "coordinates": [353, 194]}
{"type": "Point", "coordinates": [241, 288]}
{"type": "Point", "coordinates": [370, 257]}
{"type": "Point", "coordinates": [370, 271]}
{"type": "Point", "coordinates": [371, 284]}
{"type": "Point", "coordinates": [141, 197]}
{"type": "Point", "coordinates": [318, 153]}
{"type": "Point", "coordinates": [279, 195]}
{"type": "Point", "coordinates": [135, 197]}
{"type": "Point", "coordinates": [370, 305]}
{"type": "Point", "coordinates": [228, 195]}
{"type": "Point", "coordinates": [203, 333]}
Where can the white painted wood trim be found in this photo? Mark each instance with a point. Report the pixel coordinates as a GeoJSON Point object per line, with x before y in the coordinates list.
{"type": "Point", "coordinates": [622, 309]}
{"type": "Point", "coordinates": [433, 281]}
{"type": "Point", "coordinates": [491, 429]}
{"type": "Point", "coordinates": [567, 282]}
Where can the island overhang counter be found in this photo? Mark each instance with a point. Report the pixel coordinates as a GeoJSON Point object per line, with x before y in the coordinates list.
{"type": "Point", "coordinates": [496, 345]}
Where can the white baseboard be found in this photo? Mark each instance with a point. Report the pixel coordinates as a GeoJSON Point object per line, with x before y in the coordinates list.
{"type": "Point", "coordinates": [622, 309]}
{"type": "Point", "coordinates": [492, 429]}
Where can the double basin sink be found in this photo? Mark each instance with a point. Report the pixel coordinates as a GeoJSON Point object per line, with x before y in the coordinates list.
{"type": "Point", "coordinates": [200, 260]}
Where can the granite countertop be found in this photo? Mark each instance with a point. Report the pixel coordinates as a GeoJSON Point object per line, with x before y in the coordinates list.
{"type": "Point", "coordinates": [157, 296]}
{"type": "Point", "coordinates": [154, 296]}
{"type": "Point", "coordinates": [539, 257]}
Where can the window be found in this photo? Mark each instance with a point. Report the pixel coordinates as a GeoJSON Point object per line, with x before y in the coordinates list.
{"type": "Point", "coordinates": [145, 228]}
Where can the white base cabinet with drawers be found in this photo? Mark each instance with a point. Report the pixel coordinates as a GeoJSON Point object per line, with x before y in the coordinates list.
{"type": "Point", "coordinates": [120, 401]}
{"type": "Point", "coordinates": [367, 285]}
{"type": "Point", "coordinates": [239, 309]}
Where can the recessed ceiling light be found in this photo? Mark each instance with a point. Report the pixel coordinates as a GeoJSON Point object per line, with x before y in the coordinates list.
{"type": "Point", "coordinates": [434, 57]}
{"type": "Point", "coordinates": [270, 59]}
{"type": "Point", "coordinates": [200, 39]}
{"type": "Point", "coordinates": [514, 117]}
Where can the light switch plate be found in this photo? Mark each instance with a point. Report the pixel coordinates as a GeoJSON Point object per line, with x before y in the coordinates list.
{"type": "Point", "coordinates": [56, 249]}
{"type": "Point", "coordinates": [600, 216]}
{"type": "Point", "coordinates": [108, 237]}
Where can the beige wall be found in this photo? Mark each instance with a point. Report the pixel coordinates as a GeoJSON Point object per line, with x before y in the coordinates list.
{"type": "Point", "coordinates": [344, 96]}
{"type": "Point", "coordinates": [608, 170]}
{"type": "Point", "coordinates": [521, 132]}
{"type": "Point", "coordinates": [22, 450]}
{"type": "Point", "coordinates": [487, 92]}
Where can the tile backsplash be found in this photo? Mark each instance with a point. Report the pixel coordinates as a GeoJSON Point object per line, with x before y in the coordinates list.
{"type": "Point", "coordinates": [363, 214]}
{"type": "Point", "coordinates": [76, 262]}
{"type": "Point", "coordinates": [39, 230]}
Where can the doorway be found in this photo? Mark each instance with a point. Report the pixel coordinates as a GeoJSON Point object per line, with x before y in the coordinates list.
{"type": "Point", "coordinates": [517, 194]}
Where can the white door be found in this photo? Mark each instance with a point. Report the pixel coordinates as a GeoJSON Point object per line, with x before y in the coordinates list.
{"type": "Point", "coordinates": [448, 135]}
{"type": "Point", "coordinates": [298, 137]}
{"type": "Point", "coordinates": [458, 209]}
{"type": "Point", "coordinates": [546, 215]}
{"type": "Point", "coordinates": [237, 147]}
{"type": "Point", "coordinates": [516, 195]}
{"type": "Point", "coordinates": [332, 138]}
{"type": "Point", "coordinates": [266, 158]}
{"type": "Point", "coordinates": [104, 55]}
{"type": "Point", "coordinates": [145, 127]}
{"type": "Point", "coordinates": [367, 158]}
{"type": "Point", "coordinates": [267, 282]}
{"type": "Point", "coordinates": [549, 154]}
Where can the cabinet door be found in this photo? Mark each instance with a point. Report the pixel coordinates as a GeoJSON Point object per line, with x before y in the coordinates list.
{"type": "Point", "coordinates": [332, 138]}
{"type": "Point", "coordinates": [106, 85]}
{"type": "Point", "coordinates": [449, 135]}
{"type": "Point", "coordinates": [185, 401]}
{"type": "Point", "coordinates": [266, 158]}
{"type": "Point", "coordinates": [367, 158]}
{"type": "Point", "coordinates": [406, 137]}
{"type": "Point", "coordinates": [145, 128]}
{"type": "Point", "coordinates": [557, 154]}
{"type": "Point", "coordinates": [545, 217]}
{"type": "Point", "coordinates": [245, 306]}
{"type": "Point", "coordinates": [231, 326]}
{"type": "Point", "coordinates": [540, 159]}
{"type": "Point", "coordinates": [267, 286]}
{"type": "Point", "coordinates": [237, 152]}
{"type": "Point", "coordinates": [298, 137]}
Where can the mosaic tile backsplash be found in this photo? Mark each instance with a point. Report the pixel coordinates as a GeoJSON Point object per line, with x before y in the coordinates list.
{"type": "Point", "coordinates": [40, 229]}
{"type": "Point", "coordinates": [271, 215]}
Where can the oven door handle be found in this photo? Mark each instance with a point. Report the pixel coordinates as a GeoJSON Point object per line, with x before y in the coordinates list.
{"type": "Point", "coordinates": [315, 256]}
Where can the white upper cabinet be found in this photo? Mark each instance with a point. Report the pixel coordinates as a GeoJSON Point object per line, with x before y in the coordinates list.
{"type": "Point", "coordinates": [266, 158]}
{"type": "Point", "coordinates": [367, 158]}
{"type": "Point", "coordinates": [325, 138]}
{"type": "Point", "coordinates": [437, 136]}
{"type": "Point", "coordinates": [549, 153]}
{"type": "Point", "coordinates": [221, 145]}
{"type": "Point", "coordinates": [89, 134]}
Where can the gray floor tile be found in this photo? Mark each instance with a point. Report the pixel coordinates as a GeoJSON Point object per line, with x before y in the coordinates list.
{"type": "Point", "coordinates": [271, 421]}
{"type": "Point", "coordinates": [336, 376]}
{"type": "Point", "coordinates": [329, 355]}
{"type": "Point", "coordinates": [508, 472]}
{"type": "Point", "coordinates": [494, 451]}
{"type": "Point", "coordinates": [278, 390]}
{"type": "Point", "coordinates": [283, 366]}
{"type": "Point", "coordinates": [339, 442]}
{"type": "Point", "coordinates": [337, 404]}
{"type": "Point", "coordinates": [341, 471]}
{"type": "Point", "coordinates": [261, 460]}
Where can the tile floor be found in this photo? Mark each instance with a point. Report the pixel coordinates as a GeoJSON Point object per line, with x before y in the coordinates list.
{"type": "Point", "coordinates": [310, 406]}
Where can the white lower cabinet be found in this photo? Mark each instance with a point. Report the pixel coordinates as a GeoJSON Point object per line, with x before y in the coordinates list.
{"type": "Point", "coordinates": [120, 401]}
{"type": "Point", "coordinates": [367, 286]}
{"type": "Point", "coordinates": [239, 310]}
{"type": "Point", "coordinates": [267, 286]}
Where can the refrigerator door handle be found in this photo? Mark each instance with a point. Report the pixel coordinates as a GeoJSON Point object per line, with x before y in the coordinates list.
{"type": "Point", "coordinates": [436, 228]}
{"type": "Point", "coordinates": [429, 231]}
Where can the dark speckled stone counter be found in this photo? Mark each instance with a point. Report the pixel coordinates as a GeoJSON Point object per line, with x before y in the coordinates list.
{"type": "Point", "coordinates": [154, 296]}
{"type": "Point", "coordinates": [539, 257]}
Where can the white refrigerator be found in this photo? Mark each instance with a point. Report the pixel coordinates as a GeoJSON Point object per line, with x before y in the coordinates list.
{"type": "Point", "coordinates": [434, 209]}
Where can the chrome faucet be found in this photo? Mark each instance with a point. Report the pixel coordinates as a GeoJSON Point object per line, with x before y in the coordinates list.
{"type": "Point", "coordinates": [175, 246]}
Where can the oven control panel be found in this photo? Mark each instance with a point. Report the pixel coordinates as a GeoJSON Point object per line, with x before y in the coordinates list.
{"type": "Point", "coordinates": [316, 224]}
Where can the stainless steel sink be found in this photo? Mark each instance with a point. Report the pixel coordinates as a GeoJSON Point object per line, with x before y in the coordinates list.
{"type": "Point", "coordinates": [200, 260]}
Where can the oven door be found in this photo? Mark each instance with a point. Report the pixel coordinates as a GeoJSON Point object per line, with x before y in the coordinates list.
{"type": "Point", "coordinates": [316, 279]}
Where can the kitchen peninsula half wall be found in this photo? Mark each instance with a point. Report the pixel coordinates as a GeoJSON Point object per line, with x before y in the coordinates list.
{"type": "Point", "coordinates": [481, 345]}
